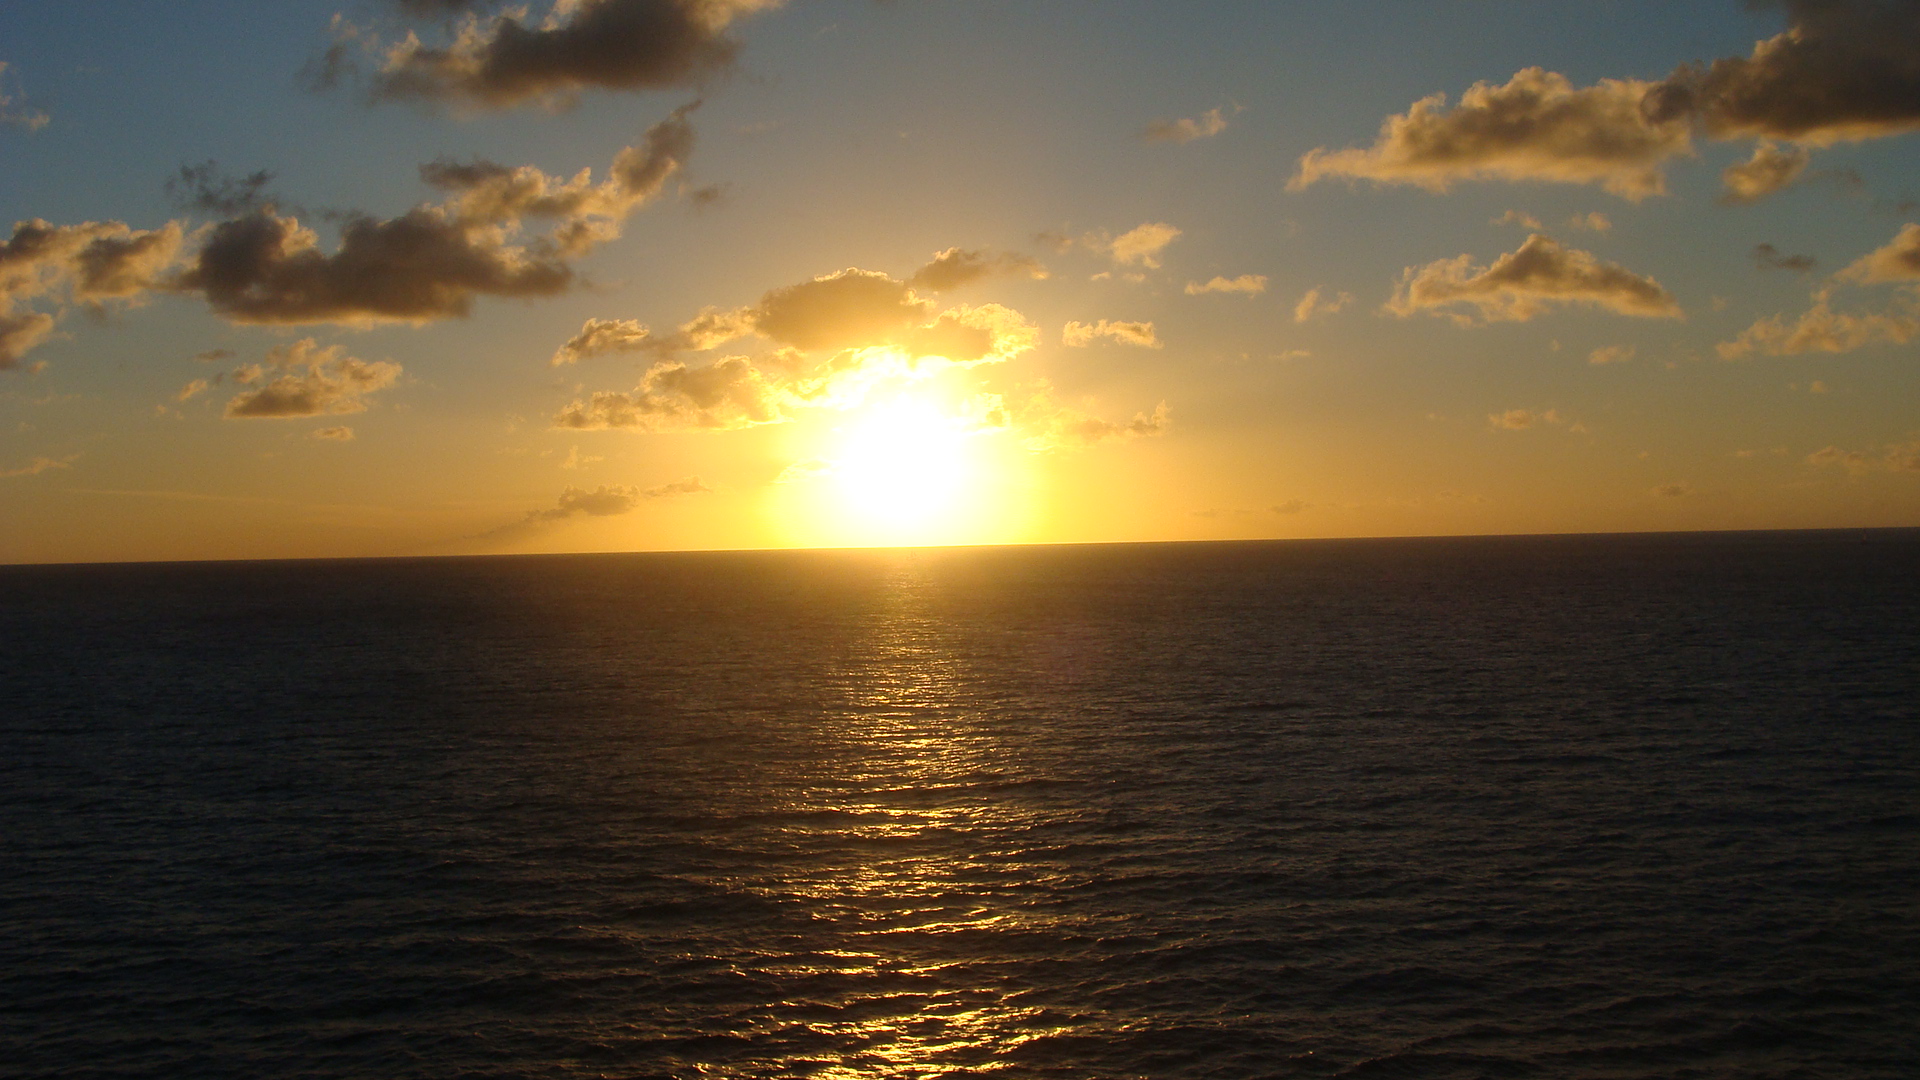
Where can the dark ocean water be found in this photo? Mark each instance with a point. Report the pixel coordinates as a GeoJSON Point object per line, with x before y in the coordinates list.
{"type": "Point", "coordinates": [1567, 807]}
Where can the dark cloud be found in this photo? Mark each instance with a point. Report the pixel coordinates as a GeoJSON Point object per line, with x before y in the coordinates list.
{"type": "Point", "coordinates": [1536, 127]}
{"type": "Point", "coordinates": [957, 267]}
{"type": "Point", "coordinates": [1843, 70]}
{"type": "Point", "coordinates": [1522, 283]}
{"type": "Point", "coordinates": [1769, 257]}
{"type": "Point", "coordinates": [312, 381]}
{"type": "Point", "coordinates": [421, 266]}
{"type": "Point", "coordinates": [205, 188]}
{"type": "Point", "coordinates": [509, 59]}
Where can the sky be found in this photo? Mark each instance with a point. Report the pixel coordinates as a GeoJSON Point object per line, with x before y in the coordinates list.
{"type": "Point", "coordinates": [424, 277]}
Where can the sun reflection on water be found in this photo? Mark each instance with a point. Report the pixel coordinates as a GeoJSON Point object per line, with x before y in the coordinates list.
{"type": "Point", "coordinates": [912, 871]}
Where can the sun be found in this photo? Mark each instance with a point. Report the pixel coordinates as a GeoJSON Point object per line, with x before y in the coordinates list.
{"type": "Point", "coordinates": [912, 467]}
{"type": "Point", "coordinates": [903, 470]}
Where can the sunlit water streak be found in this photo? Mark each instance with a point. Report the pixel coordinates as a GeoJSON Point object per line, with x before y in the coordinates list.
{"type": "Point", "coordinates": [1577, 807]}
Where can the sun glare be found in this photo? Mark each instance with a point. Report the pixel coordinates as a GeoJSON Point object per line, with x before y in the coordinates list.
{"type": "Point", "coordinates": [908, 469]}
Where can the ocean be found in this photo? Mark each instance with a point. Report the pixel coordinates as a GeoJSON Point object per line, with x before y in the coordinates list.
{"type": "Point", "coordinates": [1570, 807]}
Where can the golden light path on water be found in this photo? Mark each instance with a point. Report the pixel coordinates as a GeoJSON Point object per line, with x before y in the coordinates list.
{"type": "Point", "coordinates": [924, 889]}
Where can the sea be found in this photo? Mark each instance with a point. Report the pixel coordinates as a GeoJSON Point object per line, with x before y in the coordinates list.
{"type": "Point", "coordinates": [1575, 807]}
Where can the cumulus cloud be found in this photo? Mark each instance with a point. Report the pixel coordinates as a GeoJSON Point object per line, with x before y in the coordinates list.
{"type": "Point", "coordinates": [600, 336]}
{"type": "Point", "coordinates": [508, 59]}
{"type": "Point", "coordinates": [1768, 257]}
{"type": "Point", "coordinates": [1822, 329]}
{"type": "Point", "coordinates": [1611, 354]}
{"type": "Point", "coordinates": [1770, 169]}
{"type": "Point", "coordinates": [311, 380]}
{"type": "Point", "coordinates": [1536, 127]}
{"type": "Point", "coordinates": [1518, 217]}
{"type": "Point", "coordinates": [88, 263]}
{"type": "Point", "coordinates": [1186, 129]}
{"type": "Point", "coordinates": [834, 337]}
{"type": "Point", "coordinates": [1079, 334]}
{"type": "Point", "coordinates": [1843, 70]}
{"type": "Point", "coordinates": [849, 308]}
{"type": "Point", "coordinates": [1314, 302]}
{"type": "Point", "coordinates": [14, 110]}
{"type": "Point", "coordinates": [957, 267]}
{"type": "Point", "coordinates": [1523, 283]}
{"type": "Point", "coordinates": [432, 261]}
{"type": "Point", "coordinates": [1898, 261]}
{"type": "Point", "coordinates": [1247, 284]}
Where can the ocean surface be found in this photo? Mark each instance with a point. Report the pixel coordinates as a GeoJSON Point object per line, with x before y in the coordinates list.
{"type": "Point", "coordinates": [1575, 807]}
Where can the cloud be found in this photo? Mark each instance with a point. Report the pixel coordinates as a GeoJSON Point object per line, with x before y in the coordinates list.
{"type": "Point", "coordinates": [19, 334]}
{"type": "Point", "coordinates": [1676, 490]}
{"type": "Point", "coordinates": [1896, 457]}
{"type": "Point", "coordinates": [956, 267]}
{"type": "Point", "coordinates": [1843, 70]}
{"type": "Point", "coordinates": [39, 465]}
{"type": "Point", "coordinates": [606, 500]}
{"type": "Point", "coordinates": [314, 381]}
{"type": "Point", "coordinates": [432, 261]}
{"type": "Point", "coordinates": [845, 309]}
{"type": "Point", "coordinates": [89, 263]}
{"type": "Point", "coordinates": [14, 111]}
{"type": "Point", "coordinates": [1822, 329]}
{"type": "Point", "coordinates": [1142, 244]}
{"type": "Point", "coordinates": [601, 336]}
{"type": "Point", "coordinates": [1079, 334]}
{"type": "Point", "coordinates": [1291, 507]}
{"type": "Point", "coordinates": [834, 337]}
{"type": "Point", "coordinates": [1518, 217]}
{"type": "Point", "coordinates": [1312, 304]}
{"type": "Point", "coordinates": [332, 434]}
{"type": "Point", "coordinates": [1206, 125]}
{"type": "Point", "coordinates": [1611, 354]}
{"type": "Point", "coordinates": [1770, 169]}
{"type": "Point", "coordinates": [1056, 427]}
{"type": "Point", "coordinates": [192, 390]}
{"type": "Point", "coordinates": [1768, 257]}
{"type": "Point", "coordinates": [487, 194]}
{"type": "Point", "coordinates": [205, 188]}
{"type": "Point", "coordinates": [1521, 284]}
{"type": "Point", "coordinates": [1592, 222]}
{"type": "Point", "coordinates": [422, 266]}
{"type": "Point", "coordinates": [1536, 127]}
{"type": "Point", "coordinates": [1522, 419]}
{"type": "Point", "coordinates": [1898, 261]}
{"type": "Point", "coordinates": [506, 59]}
{"type": "Point", "coordinates": [1248, 284]}
{"type": "Point", "coordinates": [212, 356]}
{"type": "Point", "coordinates": [730, 393]}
